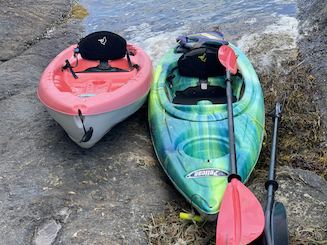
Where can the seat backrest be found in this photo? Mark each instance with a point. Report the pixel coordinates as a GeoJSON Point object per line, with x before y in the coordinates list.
{"type": "Point", "coordinates": [201, 62]}
{"type": "Point", "coordinates": [103, 46]}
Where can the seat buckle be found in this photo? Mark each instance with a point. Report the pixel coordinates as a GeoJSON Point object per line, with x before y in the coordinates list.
{"type": "Point", "coordinates": [203, 84]}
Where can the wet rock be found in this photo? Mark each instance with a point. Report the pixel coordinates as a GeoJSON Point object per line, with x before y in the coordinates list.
{"type": "Point", "coordinates": [24, 22]}
{"type": "Point", "coordinates": [304, 195]}
{"type": "Point", "coordinates": [47, 233]}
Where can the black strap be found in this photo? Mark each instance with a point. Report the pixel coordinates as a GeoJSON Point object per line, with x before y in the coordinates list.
{"type": "Point", "coordinates": [129, 61]}
{"type": "Point", "coordinates": [101, 67]}
{"type": "Point", "coordinates": [170, 77]}
{"type": "Point", "coordinates": [130, 64]}
{"type": "Point", "coordinates": [87, 133]}
{"type": "Point", "coordinates": [69, 66]}
{"type": "Point", "coordinates": [98, 69]}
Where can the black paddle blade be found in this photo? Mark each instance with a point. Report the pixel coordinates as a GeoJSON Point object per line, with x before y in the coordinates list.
{"type": "Point", "coordinates": [279, 228]}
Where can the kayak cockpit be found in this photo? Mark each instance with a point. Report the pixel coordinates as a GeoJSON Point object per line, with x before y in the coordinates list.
{"type": "Point", "coordinates": [201, 96]}
{"type": "Point", "coordinates": [95, 67]}
{"type": "Point", "coordinates": [91, 83]}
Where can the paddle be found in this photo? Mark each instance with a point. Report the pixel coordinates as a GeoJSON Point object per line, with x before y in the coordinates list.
{"type": "Point", "coordinates": [241, 219]}
{"type": "Point", "coordinates": [276, 232]}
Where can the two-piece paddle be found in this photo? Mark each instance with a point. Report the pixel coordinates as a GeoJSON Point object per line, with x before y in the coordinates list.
{"type": "Point", "coordinates": [276, 231]}
{"type": "Point", "coordinates": [241, 218]}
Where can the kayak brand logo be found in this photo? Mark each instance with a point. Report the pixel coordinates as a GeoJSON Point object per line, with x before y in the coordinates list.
{"type": "Point", "coordinates": [206, 173]}
{"type": "Point", "coordinates": [203, 57]}
{"type": "Point", "coordinates": [103, 40]}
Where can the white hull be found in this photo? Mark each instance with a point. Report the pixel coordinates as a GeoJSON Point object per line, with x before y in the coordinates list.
{"type": "Point", "coordinates": [101, 123]}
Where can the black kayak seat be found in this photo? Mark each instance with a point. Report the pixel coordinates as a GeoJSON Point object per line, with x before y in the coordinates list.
{"type": "Point", "coordinates": [103, 46]}
{"type": "Point", "coordinates": [201, 62]}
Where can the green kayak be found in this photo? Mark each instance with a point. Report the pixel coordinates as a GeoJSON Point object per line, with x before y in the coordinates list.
{"type": "Point", "coordinates": [188, 122]}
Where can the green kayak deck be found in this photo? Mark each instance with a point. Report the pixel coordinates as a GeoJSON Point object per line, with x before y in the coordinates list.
{"type": "Point", "coordinates": [188, 125]}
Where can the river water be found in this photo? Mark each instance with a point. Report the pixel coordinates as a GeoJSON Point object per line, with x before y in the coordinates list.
{"type": "Point", "coordinates": [154, 25]}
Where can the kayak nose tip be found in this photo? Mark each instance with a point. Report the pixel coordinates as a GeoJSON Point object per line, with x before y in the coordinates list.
{"type": "Point", "coordinates": [206, 206]}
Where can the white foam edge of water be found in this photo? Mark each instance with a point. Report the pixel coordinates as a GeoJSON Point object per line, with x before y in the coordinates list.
{"type": "Point", "coordinates": [284, 1]}
{"type": "Point", "coordinates": [282, 34]}
{"type": "Point", "coordinates": [155, 44]}
{"type": "Point", "coordinates": [286, 26]}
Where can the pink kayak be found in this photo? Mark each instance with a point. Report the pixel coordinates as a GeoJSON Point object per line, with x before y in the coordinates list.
{"type": "Point", "coordinates": [91, 86]}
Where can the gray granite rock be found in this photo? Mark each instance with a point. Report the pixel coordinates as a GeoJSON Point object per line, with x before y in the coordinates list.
{"type": "Point", "coordinates": [25, 70]}
{"type": "Point", "coordinates": [304, 195]}
{"type": "Point", "coordinates": [23, 23]}
{"type": "Point", "coordinates": [110, 189]}
{"type": "Point", "coordinates": [313, 43]}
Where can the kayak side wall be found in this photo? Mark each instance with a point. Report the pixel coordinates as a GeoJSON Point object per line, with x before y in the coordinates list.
{"type": "Point", "coordinates": [101, 123]}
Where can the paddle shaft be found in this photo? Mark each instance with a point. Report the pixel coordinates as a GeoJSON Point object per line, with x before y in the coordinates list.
{"type": "Point", "coordinates": [271, 184]}
{"type": "Point", "coordinates": [232, 154]}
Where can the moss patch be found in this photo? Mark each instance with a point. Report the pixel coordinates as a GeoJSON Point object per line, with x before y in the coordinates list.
{"type": "Point", "coordinates": [301, 137]}
{"type": "Point", "coordinates": [167, 228]}
{"type": "Point", "coordinates": [79, 11]}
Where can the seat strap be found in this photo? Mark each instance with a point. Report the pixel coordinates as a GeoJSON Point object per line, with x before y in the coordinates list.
{"type": "Point", "coordinates": [129, 61]}
{"type": "Point", "coordinates": [130, 64]}
{"type": "Point", "coordinates": [69, 66]}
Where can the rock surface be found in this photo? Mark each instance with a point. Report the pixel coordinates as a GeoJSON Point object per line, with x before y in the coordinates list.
{"type": "Point", "coordinates": [23, 71]}
{"type": "Point", "coordinates": [313, 30]}
{"type": "Point", "coordinates": [304, 195]}
{"type": "Point", "coordinates": [23, 23]}
{"type": "Point", "coordinates": [47, 233]}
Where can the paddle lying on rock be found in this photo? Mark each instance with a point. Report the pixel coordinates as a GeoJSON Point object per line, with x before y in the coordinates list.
{"type": "Point", "coordinates": [241, 218]}
{"type": "Point", "coordinates": [276, 232]}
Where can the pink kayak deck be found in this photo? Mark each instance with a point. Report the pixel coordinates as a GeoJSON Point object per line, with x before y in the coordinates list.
{"type": "Point", "coordinates": [94, 92]}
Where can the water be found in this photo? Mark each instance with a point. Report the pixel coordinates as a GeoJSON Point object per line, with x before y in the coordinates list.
{"type": "Point", "coordinates": [154, 25]}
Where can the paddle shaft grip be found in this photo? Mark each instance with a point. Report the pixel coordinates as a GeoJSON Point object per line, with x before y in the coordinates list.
{"type": "Point", "coordinates": [275, 117]}
{"type": "Point", "coordinates": [271, 184]}
{"type": "Point", "coordinates": [232, 151]}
